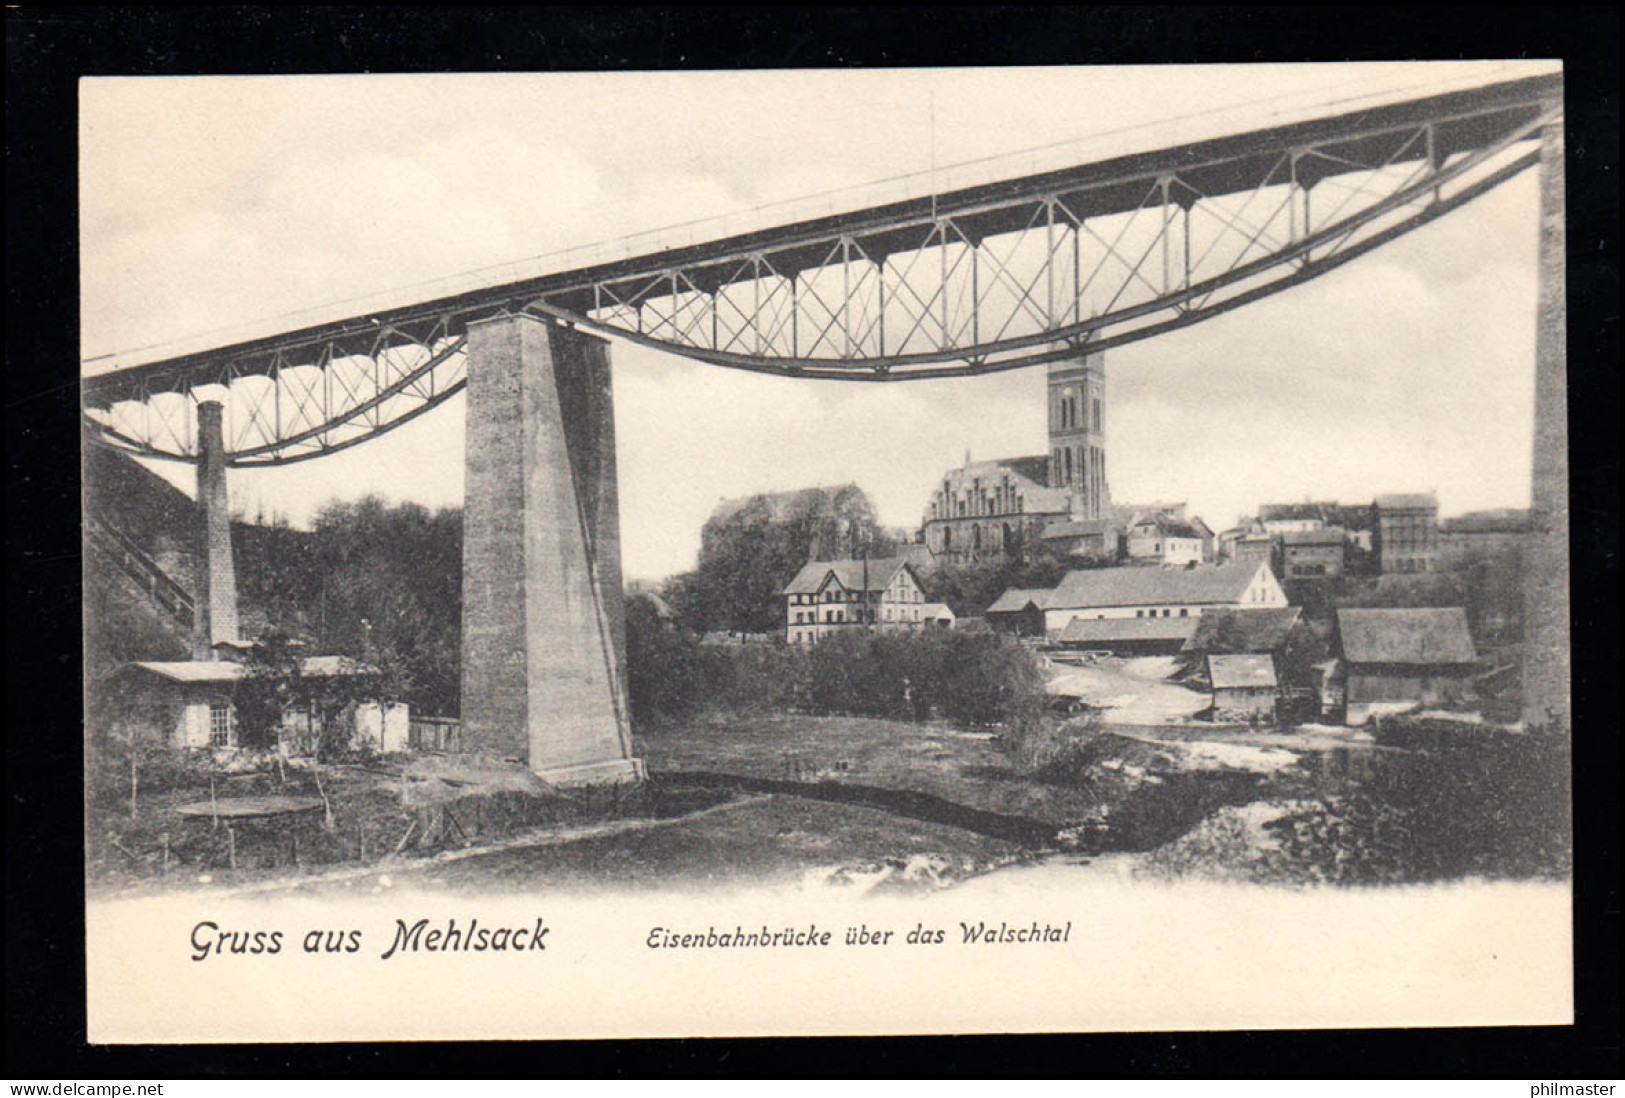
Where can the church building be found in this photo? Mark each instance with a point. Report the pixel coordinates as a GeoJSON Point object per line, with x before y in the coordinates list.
{"type": "Point", "coordinates": [995, 510]}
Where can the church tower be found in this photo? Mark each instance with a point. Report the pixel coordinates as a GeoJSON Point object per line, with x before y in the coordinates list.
{"type": "Point", "coordinates": [1077, 432]}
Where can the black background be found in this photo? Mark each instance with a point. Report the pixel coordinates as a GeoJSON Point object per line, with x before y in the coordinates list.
{"type": "Point", "coordinates": [48, 48]}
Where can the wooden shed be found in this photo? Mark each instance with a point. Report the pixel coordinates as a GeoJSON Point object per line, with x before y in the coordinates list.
{"type": "Point", "coordinates": [1398, 658]}
{"type": "Point", "coordinates": [1244, 687]}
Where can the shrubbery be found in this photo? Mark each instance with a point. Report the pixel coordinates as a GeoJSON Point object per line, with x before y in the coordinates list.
{"type": "Point", "coordinates": [969, 679]}
{"type": "Point", "coordinates": [1460, 801]}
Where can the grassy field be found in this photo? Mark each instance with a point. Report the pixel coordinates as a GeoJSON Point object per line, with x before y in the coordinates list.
{"type": "Point", "coordinates": [771, 841]}
{"type": "Point", "coordinates": [776, 799]}
{"type": "Point", "coordinates": [963, 768]}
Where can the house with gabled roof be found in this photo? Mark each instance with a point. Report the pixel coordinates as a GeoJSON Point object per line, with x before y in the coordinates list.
{"type": "Point", "coordinates": [191, 704]}
{"type": "Point", "coordinates": [1244, 686]}
{"type": "Point", "coordinates": [834, 595]}
{"type": "Point", "coordinates": [1164, 540]}
{"type": "Point", "coordinates": [1135, 592]}
{"type": "Point", "coordinates": [1397, 658]}
{"type": "Point", "coordinates": [1020, 610]}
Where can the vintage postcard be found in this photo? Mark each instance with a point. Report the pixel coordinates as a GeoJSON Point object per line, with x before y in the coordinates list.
{"type": "Point", "coordinates": [1018, 550]}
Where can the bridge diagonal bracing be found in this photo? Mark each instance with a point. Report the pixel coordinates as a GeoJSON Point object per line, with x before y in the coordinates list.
{"type": "Point", "coordinates": [993, 277]}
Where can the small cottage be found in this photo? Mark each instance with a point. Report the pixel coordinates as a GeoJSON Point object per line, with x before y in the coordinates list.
{"type": "Point", "coordinates": [188, 704]}
{"type": "Point", "coordinates": [1244, 687]}
{"type": "Point", "coordinates": [1020, 610]}
{"type": "Point", "coordinates": [1394, 659]}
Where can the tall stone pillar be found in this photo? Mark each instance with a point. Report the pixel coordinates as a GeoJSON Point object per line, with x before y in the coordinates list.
{"type": "Point", "coordinates": [543, 618]}
{"type": "Point", "coordinates": [1546, 666]}
{"type": "Point", "coordinates": [214, 615]}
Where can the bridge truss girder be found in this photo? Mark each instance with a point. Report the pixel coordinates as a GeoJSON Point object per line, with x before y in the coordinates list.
{"type": "Point", "coordinates": [993, 278]}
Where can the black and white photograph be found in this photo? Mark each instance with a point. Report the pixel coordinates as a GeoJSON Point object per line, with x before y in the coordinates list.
{"type": "Point", "coordinates": [564, 549]}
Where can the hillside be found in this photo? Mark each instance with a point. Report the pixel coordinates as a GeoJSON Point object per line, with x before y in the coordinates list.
{"type": "Point", "coordinates": [122, 622]}
{"type": "Point", "coordinates": [371, 580]}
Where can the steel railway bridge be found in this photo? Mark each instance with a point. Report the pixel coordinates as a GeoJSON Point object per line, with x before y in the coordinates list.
{"type": "Point", "coordinates": [993, 277]}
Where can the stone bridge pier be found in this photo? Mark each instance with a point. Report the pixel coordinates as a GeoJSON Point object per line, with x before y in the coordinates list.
{"type": "Point", "coordinates": [544, 627]}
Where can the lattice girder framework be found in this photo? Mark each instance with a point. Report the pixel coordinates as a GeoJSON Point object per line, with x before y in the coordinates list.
{"type": "Point", "coordinates": [991, 278]}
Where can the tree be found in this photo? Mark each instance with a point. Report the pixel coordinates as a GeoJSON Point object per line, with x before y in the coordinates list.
{"type": "Point", "coordinates": [969, 589]}
{"type": "Point", "coordinates": [750, 550]}
{"type": "Point", "coordinates": [389, 591]}
{"type": "Point", "coordinates": [274, 684]}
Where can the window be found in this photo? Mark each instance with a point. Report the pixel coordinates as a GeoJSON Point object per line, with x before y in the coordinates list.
{"type": "Point", "coordinates": [1184, 613]}
{"type": "Point", "coordinates": [1139, 613]}
{"type": "Point", "coordinates": [219, 724]}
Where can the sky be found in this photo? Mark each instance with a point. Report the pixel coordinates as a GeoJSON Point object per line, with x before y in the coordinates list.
{"type": "Point", "coordinates": [210, 204]}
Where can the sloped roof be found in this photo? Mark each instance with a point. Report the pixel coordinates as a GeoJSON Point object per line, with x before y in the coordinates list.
{"type": "Point", "coordinates": [1169, 528]}
{"type": "Point", "coordinates": [1415, 635]}
{"type": "Point", "coordinates": [1130, 513]}
{"type": "Point", "coordinates": [1233, 671]}
{"type": "Point", "coordinates": [1131, 586]}
{"type": "Point", "coordinates": [930, 610]}
{"type": "Point", "coordinates": [1326, 535]}
{"type": "Point", "coordinates": [1016, 599]}
{"type": "Point", "coordinates": [1488, 522]}
{"type": "Point", "coordinates": [1109, 630]}
{"type": "Point", "coordinates": [1407, 501]}
{"type": "Point", "coordinates": [1292, 512]}
{"type": "Point", "coordinates": [1350, 516]}
{"type": "Point", "coordinates": [207, 671]}
{"type": "Point", "coordinates": [1080, 528]}
{"type": "Point", "coordinates": [1035, 468]}
{"type": "Point", "coordinates": [849, 573]}
{"type": "Point", "coordinates": [1242, 630]}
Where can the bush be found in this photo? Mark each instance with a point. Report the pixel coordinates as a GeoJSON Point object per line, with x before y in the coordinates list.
{"type": "Point", "coordinates": [970, 679]}
{"type": "Point", "coordinates": [1460, 800]}
{"type": "Point", "coordinates": [665, 668]}
{"type": "Point", "coordinates": [1043, 745]}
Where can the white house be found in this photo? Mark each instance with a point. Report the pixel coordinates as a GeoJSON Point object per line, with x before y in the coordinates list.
{"type": "Point", "coordinates": [1106, 593]}
{"type": "Point", "coordinates": [1165, 541]}
{"type": "Point", "coordinates": [832, 595]}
